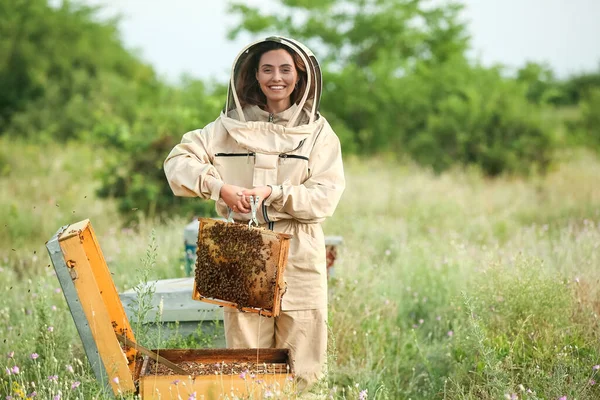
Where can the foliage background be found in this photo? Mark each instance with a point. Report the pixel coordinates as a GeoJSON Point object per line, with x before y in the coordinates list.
{"type": "Point", "coordinates": [473, 272]}
{"type": "Point", "coordinates": [398, 81]}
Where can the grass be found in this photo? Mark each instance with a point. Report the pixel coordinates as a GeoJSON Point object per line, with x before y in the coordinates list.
{"type": "Point", "coordinates": [447, 287]}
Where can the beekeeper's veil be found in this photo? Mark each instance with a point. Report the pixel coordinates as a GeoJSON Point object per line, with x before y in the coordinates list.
{"type": "Point", "coordinates": [242, 93]}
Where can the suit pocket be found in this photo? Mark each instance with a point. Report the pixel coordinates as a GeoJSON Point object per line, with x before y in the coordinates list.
{"type": "Point", "coordinates": [306, 250]}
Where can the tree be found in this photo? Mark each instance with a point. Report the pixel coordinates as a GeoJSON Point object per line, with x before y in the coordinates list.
{"type": "Point", "coordinates": [66, 75]}
{"type": "Point", "coordinates": [56, 61]}
{"type": "Point", "coordinates": [398, 80]}
{"type": "Point", "coordinates": [542, 86]}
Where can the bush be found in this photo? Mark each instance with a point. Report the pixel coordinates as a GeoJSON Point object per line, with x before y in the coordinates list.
{"type": "Point", "coordinates": [584, 128]}
{"type": "Point", "coordinates": [590, 118]}
{"type": "Point", "coordinates": [485, 121]}
{"type": "Point", "coordinates": [134, 174]}
{"type": "Point", "coordinates": [137, 179]}
{"type": "Point", "coordinates": [578, 87]}
{"type": "Point", "coordinates": [442, 115]}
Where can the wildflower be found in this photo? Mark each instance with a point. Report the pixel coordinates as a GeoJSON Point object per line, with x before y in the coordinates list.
{"type": "Point", "coordinates": [57, 290]}
{"type": "Point", "coordinates": [57, 397]}
{"type": "Point", "coordinates": [192, 396]}
{"type": "Point", "coordinates": [450, 333]}
{"type": "Point", "coordinates": [53, 308]}
{"type": "Point", "coordinates": [363, 394]}
{"type": "Point", "coordinates": [592, 382]}
{"type": "Point", "coordinates": [8, 397]}
{"type": "Point", "coordinates": [69, 368]}
{"type": "Point", "coordinates": [10, 354]}
{"type": "Point", "coordinates": [53, 378]}
{"type": "Point", "coordinates": [438, 318]}
{"type": "Point", "coordinates": [596, 367]}
{"type": "Point", "coordinates": [268, 394]}
{"type": "Point", "coordinates": [421, 321]}
{"type": "Point", "coordinates": [116, 380]}
{"type": "Point", "coordinates": [50, 329]}
{"type": "Point", "coordinates": [34, 356]}
{"type": "Point", "coordinates": [18, 390]}
{"type": "Point", "coordinates": [7, 371]}
{"type": "Point", "coordinates": [32, 394]}
{"type": "Point", "coordinates": [175, 382]}
{"type": "Point", "coordinates": [243, 375]}
{"type": "Point", "coordinates": [75, 385]}
{"type": "Point", "coordinates": [563, 398]}
{"type": "Point", "coordinates": [388, 252]}
{"type": "Point", "coordinates": [15, 370]}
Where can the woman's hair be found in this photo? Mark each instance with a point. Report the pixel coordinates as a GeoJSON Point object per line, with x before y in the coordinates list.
{"type": "Point", "coordinates": [247, 86]}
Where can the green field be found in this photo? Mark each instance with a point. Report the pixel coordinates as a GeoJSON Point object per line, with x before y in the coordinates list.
{"type": "Point", "coordinates": [451, 286]}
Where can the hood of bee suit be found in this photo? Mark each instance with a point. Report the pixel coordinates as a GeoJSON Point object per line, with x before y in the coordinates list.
{"type": "Point", "coordinates": [248, 124]}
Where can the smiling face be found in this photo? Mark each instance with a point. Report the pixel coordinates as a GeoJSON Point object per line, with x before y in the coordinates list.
{"type": "Point", "coordinates": [277, 76]}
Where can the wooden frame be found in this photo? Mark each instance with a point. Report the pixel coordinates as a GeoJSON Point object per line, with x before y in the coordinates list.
{"type": "Point", "coordinates": [275, 261]}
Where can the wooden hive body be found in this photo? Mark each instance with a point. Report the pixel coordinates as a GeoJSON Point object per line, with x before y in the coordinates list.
{"type": "Point", "coordinates": [233, 381]}
{"type": "Point", "coordinates": [99, 315]}
{"type": "Point", "coordinates": [240, 267]}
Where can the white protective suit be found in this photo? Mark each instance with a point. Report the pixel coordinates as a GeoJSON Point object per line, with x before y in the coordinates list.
{"type": "Point", "coordinates": [299, 155]}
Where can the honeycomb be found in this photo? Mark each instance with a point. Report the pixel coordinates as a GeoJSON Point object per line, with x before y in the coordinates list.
{"type": "Point", "coordinates": [237, 264]}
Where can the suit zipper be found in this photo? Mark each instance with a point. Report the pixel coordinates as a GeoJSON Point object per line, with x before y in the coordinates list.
{"type": "Point", "coordinates": [285, 155]}
{"type": "Point", "coordinates": [247, 154]}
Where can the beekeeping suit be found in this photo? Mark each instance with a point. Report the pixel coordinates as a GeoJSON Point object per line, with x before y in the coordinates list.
{"type": "Point", "coordinates": [297, 153]}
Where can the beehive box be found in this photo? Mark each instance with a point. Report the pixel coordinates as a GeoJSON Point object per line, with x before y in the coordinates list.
{"type": "Point", "coordinates": [99, 315]}
{"type": "Point", "coordinates": [240, 267]}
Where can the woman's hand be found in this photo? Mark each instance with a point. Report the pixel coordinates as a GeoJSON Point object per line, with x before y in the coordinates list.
{"type": "Point", "coordinates": [262, 192]}
{"type": "Point", "coordinates": [235, 199]}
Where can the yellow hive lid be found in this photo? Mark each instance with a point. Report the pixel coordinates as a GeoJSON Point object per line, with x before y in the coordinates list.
{"type": "Point", "coordinates": [95, 305]}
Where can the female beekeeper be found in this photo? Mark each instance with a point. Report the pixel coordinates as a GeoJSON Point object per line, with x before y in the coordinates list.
{"type": "Point", "coordinates": [270, 141]}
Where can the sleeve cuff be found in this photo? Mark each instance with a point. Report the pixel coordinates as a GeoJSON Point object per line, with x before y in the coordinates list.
{"type": "Point", "coordinates": [215, 186]}
{"type": "Point", "coordinates": [276, 193]}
